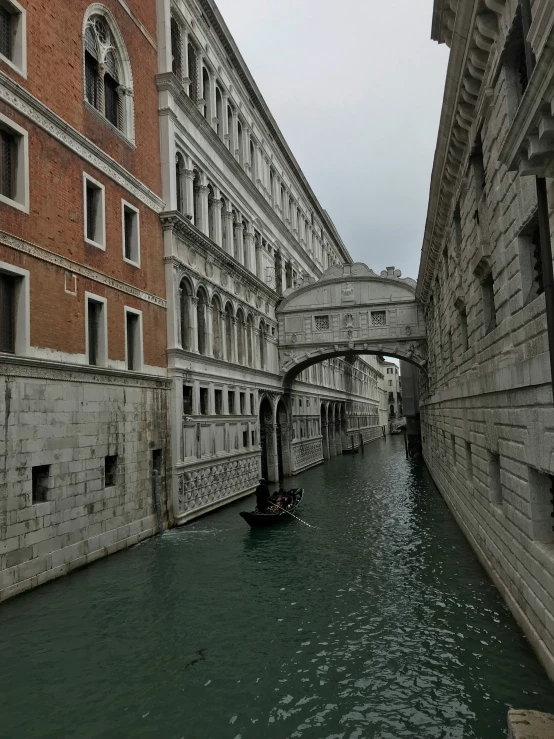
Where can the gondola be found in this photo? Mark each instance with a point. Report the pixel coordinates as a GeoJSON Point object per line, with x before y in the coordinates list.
{"type": "Point", "coordinates": [269, 519]}
{"type": "Point", "coordinates": [350, 451]}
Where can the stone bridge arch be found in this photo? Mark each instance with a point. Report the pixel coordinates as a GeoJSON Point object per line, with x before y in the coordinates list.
{"type": "Point", "coordinates": [350, 310]}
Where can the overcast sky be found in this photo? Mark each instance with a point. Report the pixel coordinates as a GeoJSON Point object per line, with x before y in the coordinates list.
{"type": "Point", "coordinates": [356, 88]}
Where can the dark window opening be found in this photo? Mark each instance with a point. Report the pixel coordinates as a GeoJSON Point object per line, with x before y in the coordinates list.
{"type": "Point", "coordinates": [157, 461]}
{"type": "Point", "coordinates": [187, 400]}
{"type": "Point", "coordinates": [242, 399]}
{"type": "Point", "coordinates": [94, 317]}
{"type": "Point", "coordinates": [478, 164]}
{"type": "Point", "coordinates": [218, 397]}
{"type": "Point", "coordinates": [132, 329]}
{"type": "Point", "coordinates": [130, 234]}
{"type": "Point", "coordinates": [231, 401]}
{"type": "Point", "coordinates": [112, 100]}
{"type": "Point", "coordinates": [40, 477]}
{"type": "Point", "coordinates": [94, 201]}
{"type": "Point", "coordinates": [6, 32]}
{"type": "Point", "coordinates": [489, 310]}
{"type": "Point", "coordinates": [7, 313]}
{"type": "Point", "coordinates": [204, 401]}
{"type": "Point", "coordinates": [463, 329]}
{"type": "Point", "coordinates": [176, 52]}
{"type": "Point", "coordinates": [251, 404]}
{"type": "Point", "coordinates": [110, 469]}
{"type": "Point", "coordinates": [92, 80]}
{"type": "Point", "coordinates": [8, 163]}
{"type": "Point", "coordinates": [245, 438]}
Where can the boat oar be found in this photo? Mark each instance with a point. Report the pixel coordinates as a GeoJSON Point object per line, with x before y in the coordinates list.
{"type": "Point", "coordinates": [292, 514]}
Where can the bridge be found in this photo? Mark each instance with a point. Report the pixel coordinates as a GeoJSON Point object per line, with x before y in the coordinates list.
{"type": "Point", "coordinates": [350, 310]}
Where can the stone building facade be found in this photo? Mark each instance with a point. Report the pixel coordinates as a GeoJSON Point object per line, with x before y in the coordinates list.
{"type": "Point", "coordinates": [487, 409]}
{"type": "Point", "coordinates": [83, 378]}
{"type": "Point", "coordinates": [241, 226]}
{"type": "Point", "coordinates": [393, 387]}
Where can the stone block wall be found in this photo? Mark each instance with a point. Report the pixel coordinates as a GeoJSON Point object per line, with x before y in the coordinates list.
{"type": "Point", "coordinates": [66, 423]}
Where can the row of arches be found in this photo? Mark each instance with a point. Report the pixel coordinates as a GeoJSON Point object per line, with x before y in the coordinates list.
{"type": "Point", "coordinates": [210, 326]}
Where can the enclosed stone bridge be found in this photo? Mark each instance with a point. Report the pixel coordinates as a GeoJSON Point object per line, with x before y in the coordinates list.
{"type": "Point", "coordinates": [350, 310]}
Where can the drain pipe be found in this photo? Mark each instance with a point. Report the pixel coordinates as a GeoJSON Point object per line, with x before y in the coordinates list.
{"type": "Point", "coordinates": [542, 207]}
{"type": "Point", "coordinates": [157, 501]}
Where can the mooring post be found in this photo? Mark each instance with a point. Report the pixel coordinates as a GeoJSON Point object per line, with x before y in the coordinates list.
{"type": "Point", "coordinates": [362, 442]}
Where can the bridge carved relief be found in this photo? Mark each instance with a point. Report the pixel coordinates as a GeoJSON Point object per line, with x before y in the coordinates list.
{"type": "Point", "coordinates": [350, 310]}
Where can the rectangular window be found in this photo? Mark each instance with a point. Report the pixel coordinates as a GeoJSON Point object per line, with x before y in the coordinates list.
{"type": "Point", "coordinates": [231, 402]}
{"type": "Point", "coordinates": [218, 397]}
{"type": "Point", "coordinates": [469, 462]}
{"type": "Point", "coordinates": [378, 317]}
{"type": "Point", "coordinates": [478, 166]}
{"type": "Point", "coordinates": [322, 323]}
{"type": "Point", "coordinates": [110, 470]}
{"type": "Point", "coordinates": [245, 437]}
{"type": "Point", "coordinates": [7, 312]}
{"type": "Point", "coordinates": [40, 483]}
{"type": "Point", "coordinates": [541, 496]}
{"type": "Point", "coordinates": [14, 164]}
{"type": "Point", "coordinates": [463, 329]}
{"type": "Point", "coordinates": [494, 478]}
{"type": "Point", "coordinates": [96, 330]}
{"type": "Point", "coordinates": [253, 437]}
{"type": "Point", "coordinates": [133, 339]}
{"type": "Point", "coordinates": [187, 400]}
{"type": "Point", "coordinates": [131, 233]}
{"type": "Point", "coordinates": [204, 401]}
{"type": "Point", "coordinates": [489, 310]}
{"type": "Point", "coordinates": [453, 448]}
{"type": "Point", "coordinates": [13, 45]}
{"type": "Point", "coordinates": [157, 461]}
{"type": "Point", "coordinates": [530, 263]}
{"type": "Point", "coordinates": [515, 64]}
{"type": "Point", "coordinates": [252, 404]}
{"type": "Point", "coordinates": [95, 212]}
{"type": "Point", "coordinates": [242, 400]}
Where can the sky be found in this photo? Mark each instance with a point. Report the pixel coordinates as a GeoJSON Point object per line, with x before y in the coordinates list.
{"type": "Point", "coordinates": [356, 88]}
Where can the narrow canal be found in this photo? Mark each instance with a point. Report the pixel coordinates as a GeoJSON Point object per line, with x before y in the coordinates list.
{"type": "Point", "coordinates": [376, 622]}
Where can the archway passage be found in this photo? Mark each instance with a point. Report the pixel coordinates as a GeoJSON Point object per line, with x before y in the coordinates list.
{"type": "Point", "coordinates": [350, 310]}
{"type": "Point", "coordinates": [265, 415]}
{"type": "Point", "coordinates": [283, 439]}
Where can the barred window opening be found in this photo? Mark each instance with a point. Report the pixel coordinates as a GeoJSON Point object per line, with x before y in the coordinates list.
{"type": "Point", "coordinates": [379, 318]}
{"type": "Point", "coordinates": [8, 156]}
{"type": "Point", "coordinates": [322, 323]}
{"type": "Point", "coordinates": [5, 32]}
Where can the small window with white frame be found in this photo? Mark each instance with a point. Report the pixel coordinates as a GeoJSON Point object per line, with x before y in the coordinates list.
{"type": "Point", "coordinates": [96, 330]}
{"type": "Point", "coordinates": [14, 164]}
{"type": "Point", "coordinates": [133, 339]}
{"type": "Point", "coordinates": [95, 211]}
{"type": "Point", "coordinates": [13, 36]}
{"type": "Point", "coordinates": [130, 226]}
{"type": "Point", "coordinates": [14, 310]}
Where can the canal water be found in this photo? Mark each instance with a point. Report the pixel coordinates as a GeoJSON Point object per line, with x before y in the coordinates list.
{"type": "Point", "coordinates": [376, 621]}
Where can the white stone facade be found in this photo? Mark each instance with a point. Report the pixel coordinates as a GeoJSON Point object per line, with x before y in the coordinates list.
{"type": "Point", "coordinates": [241, 227]}
{"type": "Point", "coordinates": [487, 410]}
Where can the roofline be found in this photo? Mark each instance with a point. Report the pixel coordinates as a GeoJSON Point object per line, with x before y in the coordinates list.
{"type": "Point", "coordinates": [224, 35]}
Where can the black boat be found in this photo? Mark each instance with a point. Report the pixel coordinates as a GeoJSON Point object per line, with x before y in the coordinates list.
{"type": "Point", "coordinates": [350, 451]}
{"type": "Point", "coordinates": [269, 519]}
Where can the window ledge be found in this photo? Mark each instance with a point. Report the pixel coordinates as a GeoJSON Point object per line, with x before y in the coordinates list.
{"type": "Point", "coordinates": [95, 243]}
{"type": "Point", "coordinates": [111, 126]}
{"type": "Point", "coordinates": [131, 262]}
{"type": "Point", "coordinates": [21, 71]}
{"type": "Point", "coordinates": [23, 207]}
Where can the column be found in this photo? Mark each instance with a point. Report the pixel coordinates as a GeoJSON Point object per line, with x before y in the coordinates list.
{"type": "Point", "coordinates": [258, 257]}
{"type": "Point", "coordinates": [325, 440]}
{"type": "Point", "coordinates": [165, 58]}
{"type": "Point", "coordinates": [272, 453]}
{"type": "Point", "coordinates": [238, 233]}
{"type": "Point", "coordinates": [213, 105]}
{"type": "Point", "coordinates": [234, 342]}
{"type": "Point", "coordinates": [209, 331]}
{"type": "Point", "coordinates": [249, 247]}
{"type": "Point", "coordinates": [194, 325]}
{"type": "Point", "coordinates": [173, 303]}
{"type": "Point", "coordinates": [226, 132]}
{"type": "Point", "coordinates": [217, 207]}
{"type": "Point", "coordinates": [246, 154]}
{"type": "Point", "coordinates": [189, 193]}
{"type": "Point", "coordinates": [227, 241]}
{"type": "Point", "coordinates": [199, 83]}
{"type": "Point", "coordinates": [309, 243]}
{"type": "Point", "coordinates": [185, 59]}
{"type": "Point", "coordinates": [223, 340]}
{"type": "Point", "coordinates": [203, 191]}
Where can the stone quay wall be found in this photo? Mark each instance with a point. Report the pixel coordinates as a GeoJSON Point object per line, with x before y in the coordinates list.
{"type": "Point", "coordinates": [93, 438]}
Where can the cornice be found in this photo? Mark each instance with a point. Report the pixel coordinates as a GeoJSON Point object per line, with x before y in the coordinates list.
{"type": "Point", "coordinates": [38, 252]}
{"type": "Point", "coordinates": [214, 17]}
{"type": "Point", "coordinates": [168, 82]}
{"type": "Point", "coordinates": [17, 366]}
{"type": "Point", "coordinates": [18, 98]}
{"type": "Point", "coordinates": [183, 227]}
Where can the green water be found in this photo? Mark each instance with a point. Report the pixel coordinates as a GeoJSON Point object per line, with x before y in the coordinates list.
{"type": "Point", "coordinates": [377, 622]}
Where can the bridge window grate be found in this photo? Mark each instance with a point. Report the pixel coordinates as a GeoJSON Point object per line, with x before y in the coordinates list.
{"type": "Point", "coordinates": [322, 323]}
{"type": "Point", "coordinates": [379, 318]}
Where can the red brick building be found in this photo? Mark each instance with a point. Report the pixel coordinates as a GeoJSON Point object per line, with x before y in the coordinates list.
{"type": "Point", "coordinates": [83, 387]}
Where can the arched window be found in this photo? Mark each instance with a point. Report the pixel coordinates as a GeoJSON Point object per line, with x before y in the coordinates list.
{"type": "Point", "coordinates": [202, 308]}
{"type": "Point", "coordinates": [262, 340]}
{"type": "Point", "coordinates": [219, 112]}
{"type": "Point", "coordinates": [179, 182]}
{"type": "Point", "coordinates": [245, 254]}
{"type": "Point", "coordinates": [249, 329]}
{"type": "Point", "coordinates": [229, 331]}
{"type": "Point", "coordinates": [252, 161]}
{"type": "Point", "coordinates": [192, 58]}
{"type": "Point", "coordinates": [108, 80]}
{"type": "Point", "coordinates": [176, 49]}
{"type": "Point", "coordinates": [185, 305]}
{"type": "Point", "coordinates": [224, 222]}
{"type": "Point", "coordinates": [216, 328]}
{"type": "Point", "coordinates": [206, 94]}
{"type": "Point", "coordinates": [211, 210]}
{"type": "Point", "coordinates": [240, 337]}
{"type": "Point", "coordinates": [240, 143]}
{"type": "Point", "coordinates": [230, 127]}
{"type": "Point", "coordinates": [196, 199]}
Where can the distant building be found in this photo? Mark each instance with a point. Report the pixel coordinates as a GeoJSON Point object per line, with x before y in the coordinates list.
{"type": "Point", "coordinates": [393, 388]}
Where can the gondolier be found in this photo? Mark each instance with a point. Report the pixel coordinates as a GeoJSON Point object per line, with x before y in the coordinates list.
{"type": "Point", "coordinates": [262, 496]}
{"type": "Point", "coordinates": [273, 511]}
